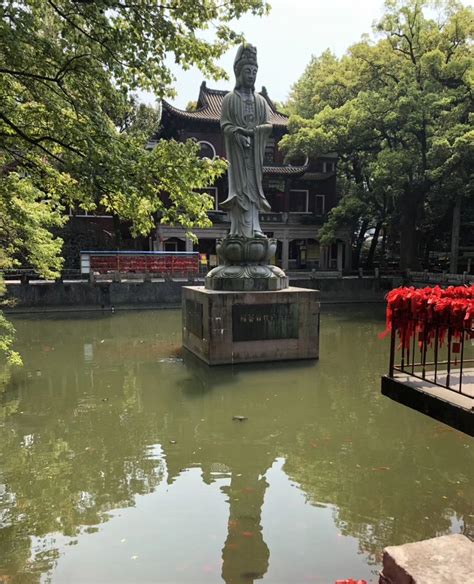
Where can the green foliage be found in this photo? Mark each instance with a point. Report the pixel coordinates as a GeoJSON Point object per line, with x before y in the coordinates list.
{"type": "Point", "coordinates": [397, 111]}
{"type": "Point", "coordinates": [281, 107]}
{"type": "Point", "coordinates": [346, 214]}
{"type": "Point", "coordinates": [138, 118]}
{"type": "Point", "coordinates": [68, 73]}
{"type": "Point", "coordinates": [72, 131]}
{"type": "Point", "coordinates": [191, 106]}
{"type": "Point", "coordinates": [7, 335]}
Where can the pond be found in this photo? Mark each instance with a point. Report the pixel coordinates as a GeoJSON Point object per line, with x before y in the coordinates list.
{"type": "Point", "coordinates": [121, 460]}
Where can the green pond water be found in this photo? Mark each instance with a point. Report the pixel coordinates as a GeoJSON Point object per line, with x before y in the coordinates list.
{"type": "Point", "coordinates": [120, 460]}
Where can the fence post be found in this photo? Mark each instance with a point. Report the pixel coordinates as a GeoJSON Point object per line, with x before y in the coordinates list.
{"type": "Point", "coordinates": [450, 335]}
{"type": "Point", "coordinates": [392, 348]}
{"type": "Point", "coordinates": [461, 362]}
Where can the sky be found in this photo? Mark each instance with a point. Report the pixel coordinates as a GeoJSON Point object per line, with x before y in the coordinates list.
{"type": "Point", "coordinates": [286, 39]}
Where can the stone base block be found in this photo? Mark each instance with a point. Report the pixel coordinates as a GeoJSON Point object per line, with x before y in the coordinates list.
{"type": "Point", "coordinates": [442, 560]}
{"type": "Point", "coordinates": [244, 327]}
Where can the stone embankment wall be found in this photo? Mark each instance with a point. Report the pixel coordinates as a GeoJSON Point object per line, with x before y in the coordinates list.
{"type": "Point", "coordinates": [38, 296]}
{"type": "Point", "coordinates": [349, 289]}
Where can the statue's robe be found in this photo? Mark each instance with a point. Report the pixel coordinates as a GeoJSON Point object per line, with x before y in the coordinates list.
{"type": "Point", "coordinates": [246, 197]}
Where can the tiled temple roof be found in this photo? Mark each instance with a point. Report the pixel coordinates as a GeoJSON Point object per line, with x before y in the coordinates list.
{"type": "Point", "coordinates": [209, 107]}
{"type": "Point", "coordinates": [286, 170]}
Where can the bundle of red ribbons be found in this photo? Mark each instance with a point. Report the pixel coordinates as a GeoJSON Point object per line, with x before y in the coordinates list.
{"type": "Point", "coordinates": [429, 313]}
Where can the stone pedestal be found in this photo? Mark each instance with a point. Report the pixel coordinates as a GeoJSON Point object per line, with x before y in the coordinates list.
{"type": "Point", "coordinates": [243, 327]}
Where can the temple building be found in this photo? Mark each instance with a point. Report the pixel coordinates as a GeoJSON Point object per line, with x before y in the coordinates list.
{"type": "Point", "coordinates": [300, 193]}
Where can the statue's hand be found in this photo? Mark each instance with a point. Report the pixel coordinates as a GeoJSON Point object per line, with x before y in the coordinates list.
{"type": "Point", "coordinates": [249, 132]}
{"type": "Point", "coordinates": [243, 141]}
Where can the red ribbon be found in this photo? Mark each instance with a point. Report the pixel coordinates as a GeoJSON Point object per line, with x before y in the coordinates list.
{"type": "Point", "coordinates": [423, 311]}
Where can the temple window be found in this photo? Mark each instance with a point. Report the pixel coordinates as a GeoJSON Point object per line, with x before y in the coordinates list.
{"type": "Point", "coordinates": [207, 150]}
{"type": "Point", "coordinates": [329, 167]}
{"type": "Point", "coordinates": [299, 201]}
{"type": "Point", "coordinates": [320, 203]}
{"type": "Point", "coordinates": [276, 200]}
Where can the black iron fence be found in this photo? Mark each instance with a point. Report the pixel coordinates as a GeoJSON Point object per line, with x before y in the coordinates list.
{"type": "Point", "coordinates": [25, 275]}
{"type": "Point", "coordinates": [437, 353]}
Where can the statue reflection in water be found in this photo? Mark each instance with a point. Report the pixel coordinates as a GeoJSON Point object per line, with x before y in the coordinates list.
{"type": "Point", "coordinates": [245, 458]}
{"type": "Point", "coordinates": [245, 554]}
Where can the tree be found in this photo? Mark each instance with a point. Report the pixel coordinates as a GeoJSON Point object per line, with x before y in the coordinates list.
{"type": "Point", "coordinates": [73, 134]}
{"type": "Point", "coordinates": [397, 110]}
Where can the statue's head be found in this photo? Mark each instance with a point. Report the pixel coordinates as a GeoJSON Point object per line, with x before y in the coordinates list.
{"type": "Point", "coordinates": [246, 66]}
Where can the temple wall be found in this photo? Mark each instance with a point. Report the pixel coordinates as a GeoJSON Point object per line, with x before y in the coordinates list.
{"type": "Point", "coordinates": [105, 295]}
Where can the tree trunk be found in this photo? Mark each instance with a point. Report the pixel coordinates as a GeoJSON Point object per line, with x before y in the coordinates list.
{"type": "Point", "coordinates": [408, 239]}
{"type": "Point", "coordinates": [384, 243]}
{"type": "Point", "coordinates": [426, 253]}
{"type": "Point", "coordinates": [117, 232]}
{"type": "Point", "coordinates": [453, 262]}
{"type": "Point", "coordinates": [373, 245]}
{"type": "Point", "coordinates": [359, 243]}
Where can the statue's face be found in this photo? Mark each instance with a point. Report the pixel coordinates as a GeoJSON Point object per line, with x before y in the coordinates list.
{"type": "Point", "coordinates": [248, 76]}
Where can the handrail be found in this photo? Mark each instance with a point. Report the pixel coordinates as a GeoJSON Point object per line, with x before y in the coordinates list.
{"type": "Point", "coordinates": [426, 365]}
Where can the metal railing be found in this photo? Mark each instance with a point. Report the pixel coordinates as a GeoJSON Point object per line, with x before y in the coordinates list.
{"type": "Point", "coordinates": [440, 278]}
{"type": "Point", "coordinates": [438, 354]}
{"type": "Point", "coordinates": [25, 275]}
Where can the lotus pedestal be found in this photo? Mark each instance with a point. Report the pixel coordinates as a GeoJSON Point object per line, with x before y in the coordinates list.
{"type": "Point", "coordinates": [245, 266]}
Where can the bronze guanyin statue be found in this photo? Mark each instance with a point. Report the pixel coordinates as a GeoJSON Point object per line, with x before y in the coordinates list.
{"type": "Point", "coordinates": [245, 121]}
